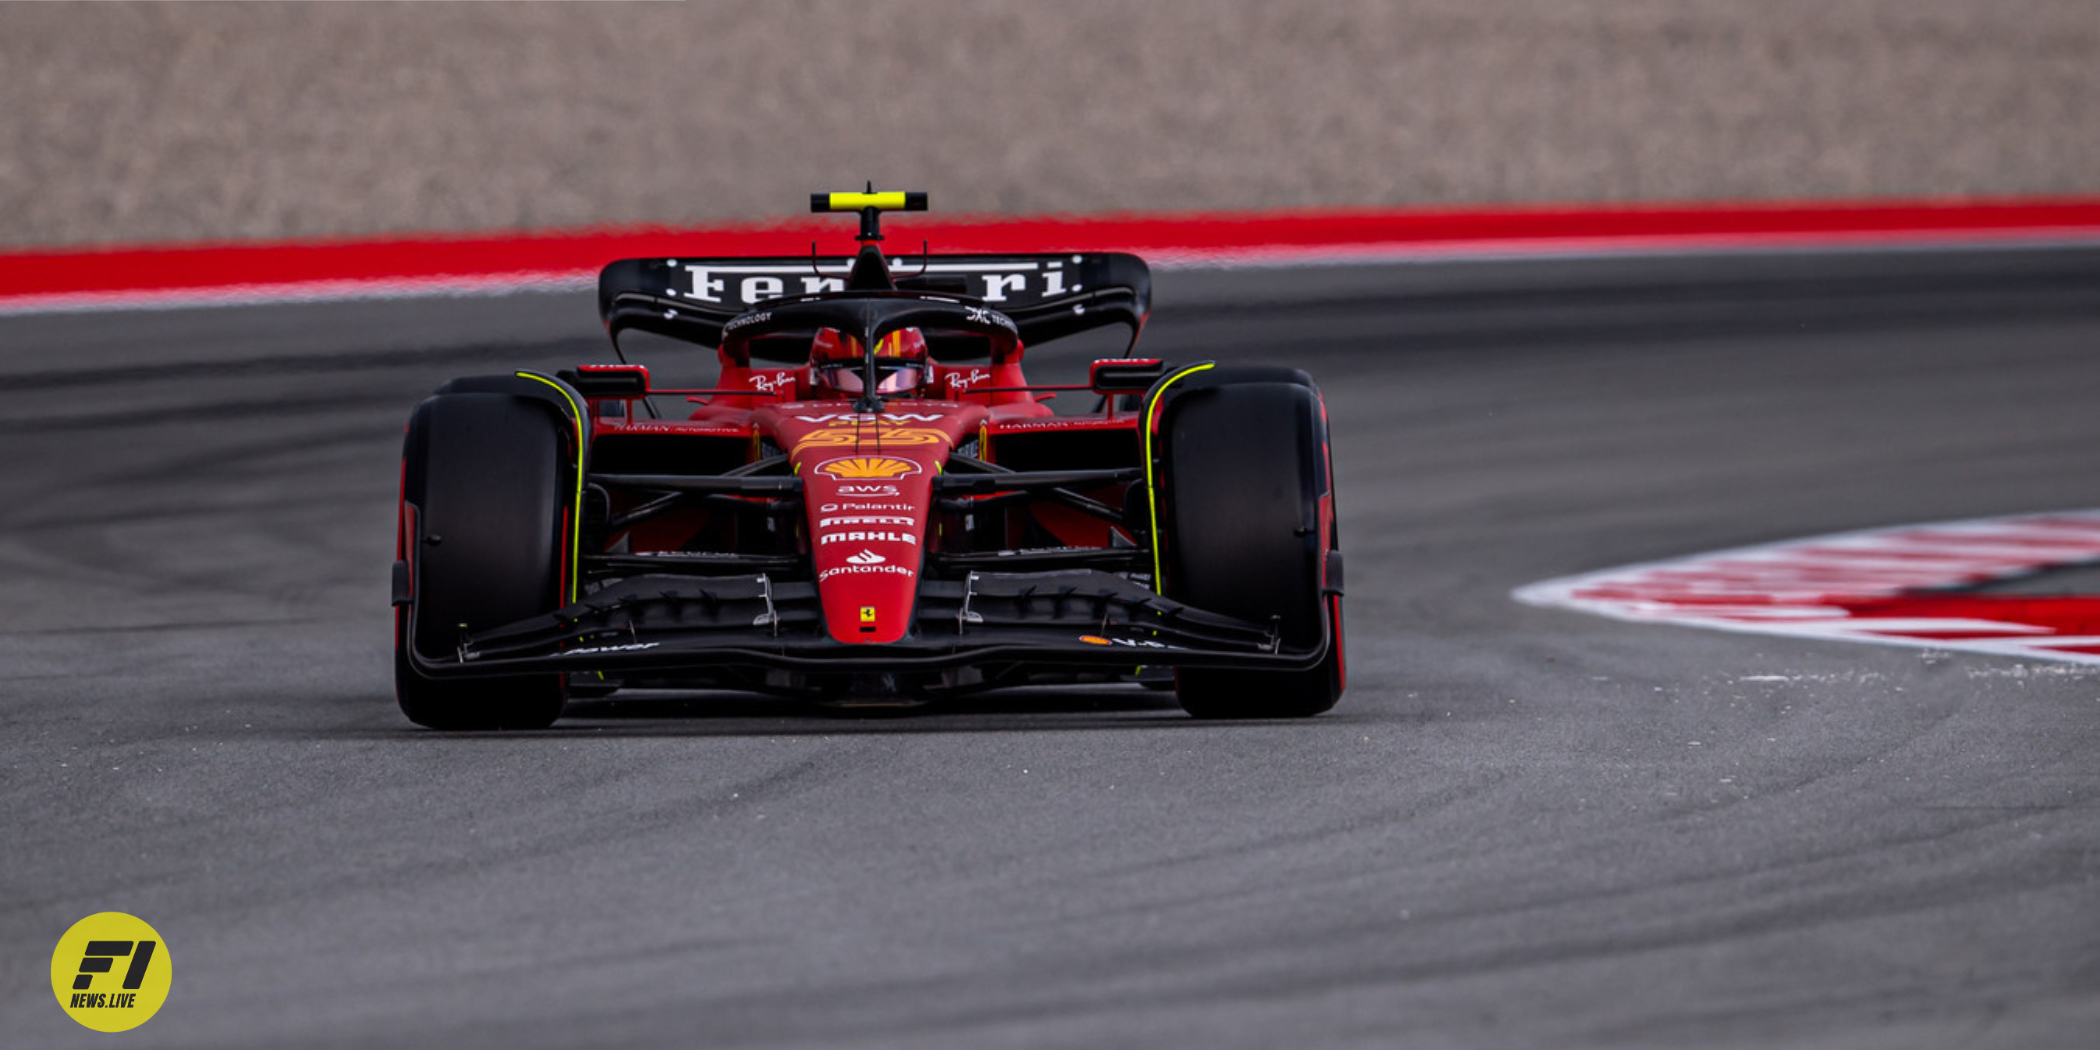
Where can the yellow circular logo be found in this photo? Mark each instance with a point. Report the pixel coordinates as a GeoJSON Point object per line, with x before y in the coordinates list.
{"type": "Point", "coordinates": [111, 971]}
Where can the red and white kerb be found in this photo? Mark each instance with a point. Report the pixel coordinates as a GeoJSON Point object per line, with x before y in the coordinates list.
{"type": "Point", "coordinates": [1894, 586]}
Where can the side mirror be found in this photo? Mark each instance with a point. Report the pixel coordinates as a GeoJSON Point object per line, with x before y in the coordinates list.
{"type": "Point", "coordinates": [596, 381]}
{"type": "Point", "coordinates": [1126, 375]}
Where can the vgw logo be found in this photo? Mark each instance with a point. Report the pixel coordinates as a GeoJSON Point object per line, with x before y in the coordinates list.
{"type": "Point", "coordinates": [111, 972]}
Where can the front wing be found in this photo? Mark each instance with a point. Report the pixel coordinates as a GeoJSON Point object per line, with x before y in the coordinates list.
{"type": "Point", "coordinates": [660, 624]}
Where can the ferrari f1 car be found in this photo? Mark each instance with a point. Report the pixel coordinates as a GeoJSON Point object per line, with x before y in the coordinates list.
{"type": "Point", "coordinates": [872, 504]}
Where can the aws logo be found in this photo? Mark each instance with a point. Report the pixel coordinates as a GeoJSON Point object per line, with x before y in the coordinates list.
{"type": "Point", "coordinates": [860, 468]}
{"type": "Point", "coordinates": [111, 972]}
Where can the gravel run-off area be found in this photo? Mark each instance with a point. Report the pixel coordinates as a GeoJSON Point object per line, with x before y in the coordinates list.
{"type": "Point", "coordinates": [153, 122]}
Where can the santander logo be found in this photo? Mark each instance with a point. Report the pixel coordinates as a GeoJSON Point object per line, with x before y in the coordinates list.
{"type": "Point", "coordinates": [866, 557]}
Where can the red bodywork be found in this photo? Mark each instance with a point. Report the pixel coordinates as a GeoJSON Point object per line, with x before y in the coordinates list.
{"type": "Point", "coordinates": [868, 477]}
{"type": "Point", "coordinates": [868, 491]}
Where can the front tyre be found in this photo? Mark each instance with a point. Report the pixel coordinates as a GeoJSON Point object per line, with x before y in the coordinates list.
{"type": "Point", "coordinates": [1246, 503]}
{"type": "Point", "coordinates": [483, 512]}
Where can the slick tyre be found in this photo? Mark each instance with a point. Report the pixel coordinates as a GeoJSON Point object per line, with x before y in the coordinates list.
{"type": "Point", "coordinates": [1245, 468]}
{"type": "Point", "coordinates": [483, 500]}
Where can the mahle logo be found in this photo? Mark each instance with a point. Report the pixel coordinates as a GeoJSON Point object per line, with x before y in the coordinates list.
{"type": "Point", "coordinates": [111, 972]}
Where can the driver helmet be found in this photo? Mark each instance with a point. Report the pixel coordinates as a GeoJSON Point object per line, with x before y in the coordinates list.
{"type": "Point", "coordinates": [900, 362]}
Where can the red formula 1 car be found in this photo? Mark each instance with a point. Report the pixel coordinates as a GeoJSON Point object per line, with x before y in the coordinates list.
{"type": "Point", "coordinates": [871, 505]}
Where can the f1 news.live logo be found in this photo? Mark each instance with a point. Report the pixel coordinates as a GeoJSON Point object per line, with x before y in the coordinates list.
{"type": "Point", "coordinates": [111, 971]}
{"type": "Point", "coordinates": [98, 957]}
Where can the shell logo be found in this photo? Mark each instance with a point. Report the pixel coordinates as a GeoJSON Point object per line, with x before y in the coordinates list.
{"type": "Point", "coordinates": [856, 468]}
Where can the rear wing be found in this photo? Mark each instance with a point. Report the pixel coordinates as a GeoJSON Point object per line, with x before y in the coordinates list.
{"type": "Point", "coordinates": [1048, 296]}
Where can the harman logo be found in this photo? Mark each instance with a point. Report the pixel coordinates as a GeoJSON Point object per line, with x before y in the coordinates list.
{"type": "Point", "coordinates": [858, 467]}
{"type": "Point", "coordinates": [111, 972]}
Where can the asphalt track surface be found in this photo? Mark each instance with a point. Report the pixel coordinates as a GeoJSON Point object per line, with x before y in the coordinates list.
{"type": "Point", "coordinates": [1523, 827]}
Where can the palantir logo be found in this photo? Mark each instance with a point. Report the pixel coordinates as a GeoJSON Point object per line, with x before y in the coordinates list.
{"type": "Point", "coordinates": [111, 972]}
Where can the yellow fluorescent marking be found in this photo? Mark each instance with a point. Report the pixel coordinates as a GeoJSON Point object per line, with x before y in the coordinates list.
{"type": "Point", "coordinates": [1151, 493]}
{"type": "Point", "coordinates": [856, 201]}
{"type": "Point", "coordinates": [575, 509]}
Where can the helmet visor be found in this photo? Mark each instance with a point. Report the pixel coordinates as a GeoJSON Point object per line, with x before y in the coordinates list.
{"type": "Point", "coordinates": [891, 377]}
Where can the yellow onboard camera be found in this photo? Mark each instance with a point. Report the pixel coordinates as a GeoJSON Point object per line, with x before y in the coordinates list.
{"type": "Point", "coordinates": [870, 205]}
{"type": "Point", "coordinates": [889, 200]}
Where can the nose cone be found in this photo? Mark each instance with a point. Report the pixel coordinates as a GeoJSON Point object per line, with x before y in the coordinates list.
{"type": "Point", "coordinates": [867, 532]}
{"type": "Point", "coordinates": [867, 482]}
